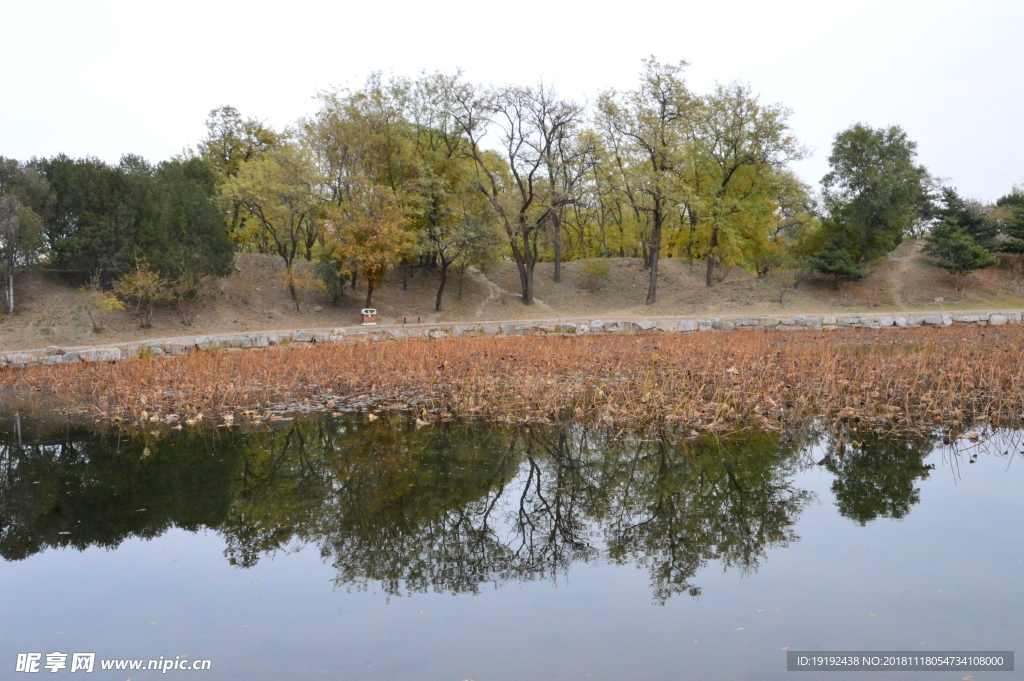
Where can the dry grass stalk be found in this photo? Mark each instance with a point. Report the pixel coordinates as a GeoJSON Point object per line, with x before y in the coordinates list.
{"type": "Point", "coordinates": [710, 381]}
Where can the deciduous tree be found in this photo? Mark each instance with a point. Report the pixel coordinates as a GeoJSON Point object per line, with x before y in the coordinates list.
{"type": "Point", "coordinates": [736, 173]}
{"type": "Point", "coordinates": [529, 124]}
{"type": "Point", "coordinates": [369, 233]}
{"type": "Point", "coordinates": [645, 131]}
{"type": "Point", "coordinates": [278, 191]}
{"type": "Point", "coordinates": [142, 289]}
{"type": "Point", "coordinates": [230, 141]}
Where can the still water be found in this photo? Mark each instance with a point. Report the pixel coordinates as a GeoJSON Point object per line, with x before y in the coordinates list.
{"type": "Point", "coordinates": [349, 549]}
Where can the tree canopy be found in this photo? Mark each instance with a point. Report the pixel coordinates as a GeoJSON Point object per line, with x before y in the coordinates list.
{"type": "Point", "coordinates": [874, 193]}
{"type": "Point", "coordinates": [435, 171]}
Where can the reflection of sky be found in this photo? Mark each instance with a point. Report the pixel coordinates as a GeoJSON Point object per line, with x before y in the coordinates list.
{"type": "Point", "coordinates": [948, 575]}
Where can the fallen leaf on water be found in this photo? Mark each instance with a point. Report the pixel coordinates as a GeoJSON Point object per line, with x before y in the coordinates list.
{"type": "Point", "coordinates": [423, 610]}
{"type": "Point", "coordinates": [339, 608]}
{"type": "Point", "coordinates": [58, 632]}
{"type": "Point", "coordinates": [875, 615]}
{"type": "Point", "coordinates": [262, 597]}
{"type": "Point", "coordinates": [786, 648]}
{"type": "Point", "coordinates": [923, 643]}
{"type": "Point", "coordinates": [968, 678]}
{"type": "Point", "coordinates": [152, 622]}
{"type": "Point", "coordinates": [738, 629]}
{"type": "Point", "coordinates": [255, 581]}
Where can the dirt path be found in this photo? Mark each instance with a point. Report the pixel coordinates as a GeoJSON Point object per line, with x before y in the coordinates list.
{"type": "Point", "coordinates": [898, 275]}
{"type": "Point", "coordinates": [494, 292]}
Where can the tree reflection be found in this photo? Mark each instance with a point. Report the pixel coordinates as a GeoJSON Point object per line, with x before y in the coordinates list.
{"type": "Point", "coordinates": [79, 488]}
{"type": "Point", "coordinates": [679, 505]}
{"type": "Point", "coordinates": [875, 476]}
{"type": "Point", "coordinates": [448, 508]}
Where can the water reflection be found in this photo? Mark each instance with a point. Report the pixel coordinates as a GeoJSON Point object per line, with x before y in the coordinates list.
{"type": "Point", "coordinates": [450, 508]}
{"type": "Point", "coordinates": [875, 477]}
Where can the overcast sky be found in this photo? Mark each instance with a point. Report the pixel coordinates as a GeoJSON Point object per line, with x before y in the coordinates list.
{"type": "Point", "coordinates": [107, 78]}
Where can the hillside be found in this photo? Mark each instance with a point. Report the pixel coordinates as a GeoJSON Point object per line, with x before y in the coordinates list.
{"type": "Point", "coordinates": [49, 310]}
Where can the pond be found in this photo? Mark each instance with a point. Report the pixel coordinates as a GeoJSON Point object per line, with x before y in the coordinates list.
{"type": "Point", "coordinates": [344, 548]}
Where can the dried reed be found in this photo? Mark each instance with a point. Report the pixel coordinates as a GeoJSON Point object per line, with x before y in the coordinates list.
{"type": "Point", "coordinates": [914, 378]}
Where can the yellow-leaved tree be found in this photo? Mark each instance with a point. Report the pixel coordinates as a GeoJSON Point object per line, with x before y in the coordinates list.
{"type": "Point", "coordinates": [369, 234]}
{"type": "Point", "coordinates": [739, 149]}
{"type": "Point", "coordinates": [278, 193]}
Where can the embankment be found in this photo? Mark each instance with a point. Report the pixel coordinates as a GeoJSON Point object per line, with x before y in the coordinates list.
{"type": "Point", "coordinates": [185, 345]}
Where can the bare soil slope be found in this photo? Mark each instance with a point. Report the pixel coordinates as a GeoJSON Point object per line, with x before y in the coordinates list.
{"type": "Point", "coordinates": [49, 309]}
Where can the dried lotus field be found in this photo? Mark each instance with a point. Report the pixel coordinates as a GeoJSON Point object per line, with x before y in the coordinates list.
{"type": "Point", "coordinates": [887, 380]}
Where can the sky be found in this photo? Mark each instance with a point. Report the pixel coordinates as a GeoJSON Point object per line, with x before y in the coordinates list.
{"type": "Point", "coordinates": [92, 78]}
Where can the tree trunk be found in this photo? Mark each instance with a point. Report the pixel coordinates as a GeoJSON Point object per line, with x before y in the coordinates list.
{"type": "Point", "coordinates": [353, 281]}
{"type": "Point", "coordinates": [556, 242]}
{"type": "Point", "coordinates": [654, 254]}
{"type": "Point", "coordinates": [440, 288]}
{"type": "Point", "coordinates": [525, 271]}
{"type": "Point", "coordinates": [691, 240]}
{"type": "Point", "coordinates": [405, 275]}
{"type": "Point", "coordinates": [528, 296]}
{"type": "Point", "coordinates": [462, 273]}
{"type": "Point", "coordinates": [292, 291]}
{"type": "Point", "coordinates": [10, 292]}
{"type": "Point", "coordinates": [652, 287]}
{"type": "Point", "coordinates": [709, 279]}
{"type": "Point", "coordinates": [369, 294]}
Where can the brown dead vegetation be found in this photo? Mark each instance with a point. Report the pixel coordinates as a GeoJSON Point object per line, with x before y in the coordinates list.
{"type": "Point", "coordinates": [885, 379]}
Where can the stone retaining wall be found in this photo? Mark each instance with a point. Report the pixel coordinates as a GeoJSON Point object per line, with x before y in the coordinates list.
{"type": "Point", "coordinates": [577, 327]}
